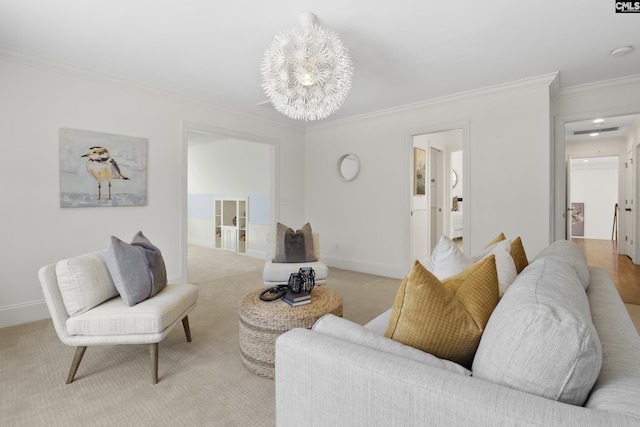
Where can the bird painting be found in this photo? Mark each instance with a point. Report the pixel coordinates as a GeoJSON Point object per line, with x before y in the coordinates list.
{"type": "Point", "coordinates": [102, 167]}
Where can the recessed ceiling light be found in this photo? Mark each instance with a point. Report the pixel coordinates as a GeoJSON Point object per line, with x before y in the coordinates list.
{"type": "Point", "coordinates": [598, 120]}
{"type": "Point", "coordinates": [594, 134]}
{"type": "Point", "coordinates": [621, 51]}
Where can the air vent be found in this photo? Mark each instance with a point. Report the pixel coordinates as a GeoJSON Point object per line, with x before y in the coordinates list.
{"type": "Point", "coordinates": [599, 130]}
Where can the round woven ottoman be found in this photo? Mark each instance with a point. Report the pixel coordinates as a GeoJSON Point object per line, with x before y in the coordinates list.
{"type": "Point", "coordinates": [261, 322]}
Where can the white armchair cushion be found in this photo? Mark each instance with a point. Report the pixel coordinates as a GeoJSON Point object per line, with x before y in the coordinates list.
{"type": "Point", "coordinates": [150, 316]}
{"type": "Point", "coordinates": [84, 282]}
{"type": "Point", "coordinates": [275, 272]}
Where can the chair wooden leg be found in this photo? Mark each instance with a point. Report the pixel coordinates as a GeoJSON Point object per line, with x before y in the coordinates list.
{"type": "Point", "coordinates": [77, 358]}
{"type": "Point", "coordinates": [153, 351]}
{"type": "Point", "coordinates": [187, 330]}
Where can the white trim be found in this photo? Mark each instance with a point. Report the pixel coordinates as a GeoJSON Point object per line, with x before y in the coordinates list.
{"type": "Point", "coordinates": [184, 152]}
{"type": "Point", "coordinates": [559, 168]}
{"type": "Point", "coordinates": [598, 87]}
{"type": "Point", "coordinates": [549, 79]}
{"type": "Point", "coordinates": [18, 314]}
{"type": "Point", "coordinates": [378, 269]}
{"type": "Point", "coordinates": [53, 65]}
{"type": "Point", "coordinates": [463, 125]}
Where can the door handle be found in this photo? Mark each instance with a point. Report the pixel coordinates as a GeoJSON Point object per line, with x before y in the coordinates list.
{"type": "Point", "coordinates": [627, 209]}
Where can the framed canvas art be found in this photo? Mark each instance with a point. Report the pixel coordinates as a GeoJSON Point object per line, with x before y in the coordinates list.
{"type": "Point", "coordinates": [101, 169]}
{"type": "Point", "coordinates": [419, 172]}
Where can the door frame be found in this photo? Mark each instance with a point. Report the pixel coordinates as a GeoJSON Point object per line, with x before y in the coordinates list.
{"type": "Point", "coordinates": [559, 206]}
{"type": "Point", "coordinates": [186, 127]}
{"type": "Point", "coordinates": [466, 174]}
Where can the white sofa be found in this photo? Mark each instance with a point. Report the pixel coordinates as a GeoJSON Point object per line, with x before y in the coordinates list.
{"type": "Point", "coordinates": [523, 373]}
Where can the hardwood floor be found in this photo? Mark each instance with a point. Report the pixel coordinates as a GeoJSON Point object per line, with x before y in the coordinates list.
{"type": "Point", "coordinates": [625, 275]}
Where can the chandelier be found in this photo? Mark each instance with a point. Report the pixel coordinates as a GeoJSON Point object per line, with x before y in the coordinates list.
{"type": "Point", "coordinates": [306, 72]}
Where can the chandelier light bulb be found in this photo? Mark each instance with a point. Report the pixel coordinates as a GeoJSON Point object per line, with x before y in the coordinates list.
{"type": "Point", "coordinates": [306, 72]}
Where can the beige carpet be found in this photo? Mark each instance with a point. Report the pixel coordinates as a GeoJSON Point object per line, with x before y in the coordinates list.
{"type": "Point", "coordinates": [202, 383]}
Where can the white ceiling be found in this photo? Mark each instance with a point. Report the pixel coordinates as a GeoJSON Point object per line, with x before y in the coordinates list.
{"type": "Point", "coordinates": [623, 123]}
{"type": "Point", "coordinates": [404, 51]}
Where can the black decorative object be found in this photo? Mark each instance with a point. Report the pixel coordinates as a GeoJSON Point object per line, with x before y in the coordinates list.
{"type": "Point", "coordinates": [272, 294]}
{"type": "Point", "coordinates": [302, 281]}
{"type": "Point", "coordinates": [308, 278]}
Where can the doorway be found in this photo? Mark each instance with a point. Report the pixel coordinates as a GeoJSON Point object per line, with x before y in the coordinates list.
{"type": "Point", "coordinates": [221, 165]}
{"type": "Point", "coordinates": [431, 211]}
{"type": "Point", "coordinates": [594, 197]}
{"type": "Point", "coordinates": [584, 137]}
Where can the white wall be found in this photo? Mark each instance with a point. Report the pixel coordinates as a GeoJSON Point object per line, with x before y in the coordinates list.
{"type": "Point", "coordinates": [229, 167]}
{"type": "Point", "coordinates": [38, 98]}
{"type": "Point", "coordinates": [507, 183]}
{"type": "Point", "coordinates": [597, 188]}
{"type": "Point", "coordinates": [597, 195]}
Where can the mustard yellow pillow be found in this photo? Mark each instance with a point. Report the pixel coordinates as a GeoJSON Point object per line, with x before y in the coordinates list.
{"type": "Point", "coordinates": [445, 318]}
{"type": "Point", "coordinates": [499, 238]}
{"type": "Point", "coordinates": [519, 255]}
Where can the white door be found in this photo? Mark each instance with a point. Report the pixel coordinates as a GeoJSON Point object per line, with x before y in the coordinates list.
{"type": "Point", "coordinates": [419, 233]}
{"type": "Point", "coordinates": [436, 188]}
{"type": "Point", "coordinates": [629, 209]}
{"type": "Point", "coordinates": [569, 209]}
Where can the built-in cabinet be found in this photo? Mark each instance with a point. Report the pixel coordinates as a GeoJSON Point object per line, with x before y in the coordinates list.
{"type": "Point", "coordinates": [231, 224]}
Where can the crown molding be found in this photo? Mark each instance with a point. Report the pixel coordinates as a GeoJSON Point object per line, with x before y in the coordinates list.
{"type": "Point", "coordinates": [548, 80]}
{"type": "Point", "coordinates": [57, 66]}
{"type": "Point", "coordinates": [598, 87]}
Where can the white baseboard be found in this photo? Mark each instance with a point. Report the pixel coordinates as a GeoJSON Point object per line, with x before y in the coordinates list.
{"type": "Point", "coordinates": [257, 254]}
{"type": "Point", "coordinates": [18, 314]}
{"type": "Point", "coordinates": [385, 270]}
{"type": "Point", "coordinates": [199, 242]}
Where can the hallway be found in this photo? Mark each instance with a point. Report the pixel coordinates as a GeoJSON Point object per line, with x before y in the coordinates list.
{"type": "Point", "coordinates": [625, 275]}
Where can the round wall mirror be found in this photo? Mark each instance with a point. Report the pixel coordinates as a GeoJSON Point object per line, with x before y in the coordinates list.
{"type": "Point", "coordinates": [348, 167]}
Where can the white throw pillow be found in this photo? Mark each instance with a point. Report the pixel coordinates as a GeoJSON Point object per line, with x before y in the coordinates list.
{"type": "Point", "coordinates": [446, 259]}
{"type": "Point", "coordinates": [504, 263]}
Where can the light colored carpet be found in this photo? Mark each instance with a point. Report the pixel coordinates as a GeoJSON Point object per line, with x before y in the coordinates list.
{"type": "Point", "coordinates": [202, 383]}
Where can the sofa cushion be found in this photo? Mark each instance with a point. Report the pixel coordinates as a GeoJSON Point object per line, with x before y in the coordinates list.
{"type": "Point", "coordinates": [137, 269]}
{"type": "Point", "coordinates": [616, 389]}
{"type": "Point", "coordinates": [84, 282]}
{"type": "Point", "coordinates": [150, 316]}
{"type": "Point", "coordinates": [571, 254]}
{"type": "Point", "coordinates": [294, 246]}
{"type": "Point", "coordinates": [445, 318]}
{"type": "Point", "coordinates": [349, 331]}
{"type": "Point", "coordinates": [540, 338]}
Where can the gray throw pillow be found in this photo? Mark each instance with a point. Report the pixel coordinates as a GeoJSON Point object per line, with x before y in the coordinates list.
{"type": "Point", "coordinates": [137, 269]}
{"type": "Point", "coordinates": [294, 246]}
